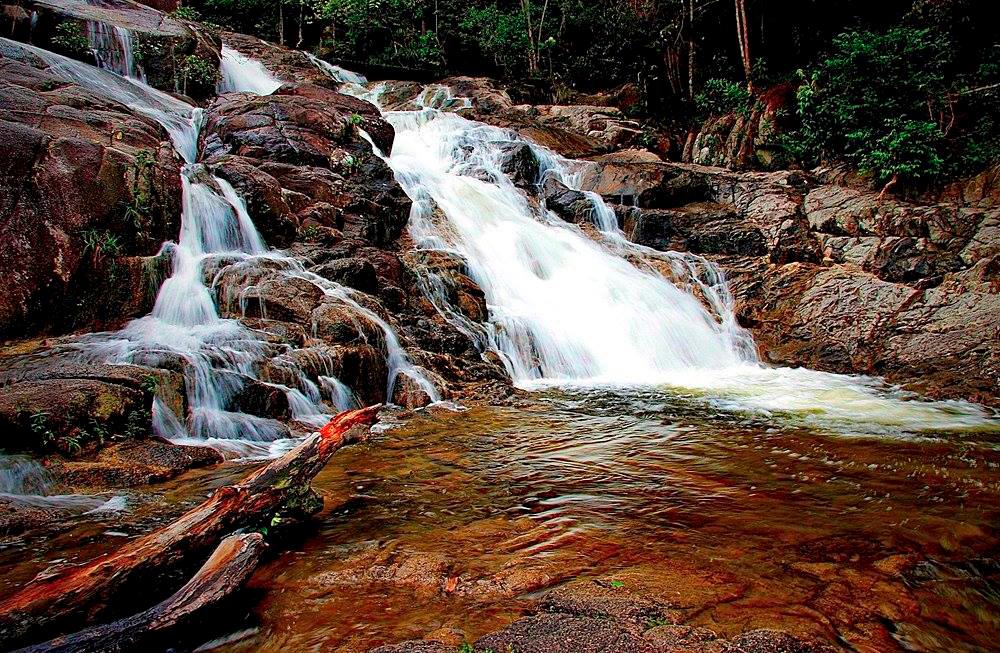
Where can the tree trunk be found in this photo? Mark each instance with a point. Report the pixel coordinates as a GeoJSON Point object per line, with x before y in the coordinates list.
{"type": "Point", "coordinates": [281, 22]}
{"type": "Point", "coordinates": [78, 596]}
{"type": "Point", "coordinates": [225, 572]}
{"type": "Point", "coordinates": [743, 34]}
{"type": "Point", "coordinates": [692, 54]}
{"type": "Point", "coordinates": [526, 10]}
{"type": "Point", "coordinates": [302, 17]}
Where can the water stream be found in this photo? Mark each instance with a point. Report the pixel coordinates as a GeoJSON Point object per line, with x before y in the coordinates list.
{"type": "Point", "coordinates": [218, 356]}
{"type": "Point", "coordinates": [573, 311]}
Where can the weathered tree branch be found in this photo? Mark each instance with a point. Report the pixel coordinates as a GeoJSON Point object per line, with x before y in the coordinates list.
{"type": "Point", "coordinates": [225, 572]}
{"type": "Point", "coordinates": [78, 596]}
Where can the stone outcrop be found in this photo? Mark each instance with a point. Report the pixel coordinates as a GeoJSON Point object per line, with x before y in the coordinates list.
{"type": "Point", "coordinates": [747, 140]}
{"type": "Point", "coordinates": [87, 186]}
{"type": "Point", "coordinates": [297, 159]}
{"type": "Point", "coordinates": [829, 276]}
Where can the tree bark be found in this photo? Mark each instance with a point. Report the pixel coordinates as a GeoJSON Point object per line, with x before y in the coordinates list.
{"type": "Point", "coordinates": [281, 22]}
{"type": "Point", "coordinates": [78, 596]}
{"type": "Point", "coordinates": [692, 55]}
{"type": "Point", "coordinates": [743, 34]}
{"type": "Point", "coordinates": [225, 572]}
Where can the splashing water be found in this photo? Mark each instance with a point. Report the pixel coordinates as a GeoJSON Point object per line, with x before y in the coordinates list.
{"type": "Point", "coordinates": [570, 310]}
{"type": "Point", "coordinates": [242, 74]}
{"type": "Point", "coordinates": [185, 331]}
{"type": "Point", "coordinates": [24, 481]}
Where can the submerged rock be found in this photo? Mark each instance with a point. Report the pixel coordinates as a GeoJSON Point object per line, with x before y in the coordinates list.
{"type": "Point", "coordinates": [133, 463]}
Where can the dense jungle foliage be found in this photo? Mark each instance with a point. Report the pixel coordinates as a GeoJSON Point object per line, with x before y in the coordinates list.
{"type": "Point", "coordinates": [906, 90]}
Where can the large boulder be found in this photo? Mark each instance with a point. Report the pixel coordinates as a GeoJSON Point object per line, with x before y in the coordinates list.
{"type": "Point", "coordinates": [87, 182]}
{"type": "Point", "coordinates": [298, 159]}
{"type": "Point", "coordinates": [748, 140]}
{"type": "Point", "coordinates": [570, 205]}
{"type": "Point", "coordinates": [701, 228]}
{"type": "Point", "coordinates": [770, 204]}
{"type": "Point", "coordinates": [51, 402]}
{"type": "Point", "coordinates": [943, 341]}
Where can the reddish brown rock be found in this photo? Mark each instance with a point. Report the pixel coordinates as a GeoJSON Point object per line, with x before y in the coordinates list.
{"type": "Point", "coordinates": [298, 159]}
{"type": "Point", "coordinates": [77, 163]}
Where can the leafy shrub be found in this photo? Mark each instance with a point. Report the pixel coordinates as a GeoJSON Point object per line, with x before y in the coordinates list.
{"type": "Point", "coordinates": [500, 33]}
{"type": "Point", "coordinates": [70, 40]}
{"type": "Point", "coordinates": [721, 96]}
{"type": "Point", "coordinates": [197, 74]}
{"type": "Point", "coordinates": [887, 102]}
{"type": "Point", "coordinates": [186, 13]}
{"type": "Point", "coordinates": [906, 149]}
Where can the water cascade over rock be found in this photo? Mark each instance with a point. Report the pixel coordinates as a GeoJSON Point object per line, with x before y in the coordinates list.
{"type": "Point", "coordinates": [112, 48]}
{"type": "Point", "coordinates": [240, 73]}
{"type": "Point", "coordinates": [570, 309]}
{"type": "Point", "coordinates": [218, 356]}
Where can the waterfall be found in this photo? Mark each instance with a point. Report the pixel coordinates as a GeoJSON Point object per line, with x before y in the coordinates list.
{"type": "Point", "coordinates": [113, 49]}
{"type": "Point", "coordinates": [563, 308]}
{"type": "Point", "coordinates": [242, 74]}
{"type": "Point", "coordinates": [571, 309]}
{"type": "Point", "coordinates": [336, 73]}
{"type": "Point", "coordinates": [184, 331]}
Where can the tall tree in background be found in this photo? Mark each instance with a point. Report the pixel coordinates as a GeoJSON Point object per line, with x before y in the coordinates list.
{"type": "Point", "coordinates": [743, 34]}
{"type": "Point", "coordinates": [692, 50]}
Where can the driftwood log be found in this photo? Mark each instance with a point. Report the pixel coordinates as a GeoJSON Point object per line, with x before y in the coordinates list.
{"type": "Point", "coordinates": [229, 567]}
{"type": "Point", "coordinates": [76, 597]}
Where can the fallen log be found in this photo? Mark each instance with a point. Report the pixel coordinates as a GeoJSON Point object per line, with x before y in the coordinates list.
{"type": "Point", "coordinates": [76, 597]}
{"type": "Point", "coordinates": [226, 571]}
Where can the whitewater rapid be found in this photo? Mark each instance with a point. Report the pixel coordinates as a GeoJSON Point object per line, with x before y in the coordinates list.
{"type": "Point", "coordinates": [575, 311]}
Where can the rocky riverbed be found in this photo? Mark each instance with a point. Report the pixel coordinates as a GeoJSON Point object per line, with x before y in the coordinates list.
{"type": "Point", "coordinates": [824, 273]}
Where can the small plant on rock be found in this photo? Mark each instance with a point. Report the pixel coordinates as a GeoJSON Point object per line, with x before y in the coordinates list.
{"type": "Point", "coordinates": [137, 425]}
{"type": "Point", "coordinates": [70, 40]}
{"type": "Point", "coordinates": [70, 445]}
{"type": "Point", "coordinates": [350, 164]}
{"type": "Point", "coordinates": [38, 423]}
{"type": "Point", "coordinates": [186, 13]}
{"type": "Point", "coordinates": [309, 233]}
{"type": "Point", "coordinates": [150, 384]}
{"type": "Point", "coordinates": [101, 244]}
{"type": "Point", "coordinates": [197, 73]}
{"type": "Point", "coordinates": [137, 209]}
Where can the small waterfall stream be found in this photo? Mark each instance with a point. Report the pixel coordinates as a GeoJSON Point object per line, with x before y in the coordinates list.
{"type": "Point", "coordinates": [113, 49]}
{"type": "Point", "coordinates": [242, 74]}
{"type": "Point", "coordinates": [185, 331]}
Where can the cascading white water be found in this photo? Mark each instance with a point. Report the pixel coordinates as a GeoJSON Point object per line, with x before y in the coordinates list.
{"type": "Point", "coordinates": [184, 331]}
{"type": "Point", "coordinates": [113, 49]}
{"type": "Point", "coordinates": [562, 307]}
{"type": "Point", "coordinates": [567, 309]}
{"type": "Point", "coordinates": [24, 481]}
{"type": "Point", "coordinates": [337, 73]}
{"type": "Point", "coordinates": [240, 73]}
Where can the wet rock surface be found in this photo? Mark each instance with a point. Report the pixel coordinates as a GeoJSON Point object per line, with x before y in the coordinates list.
{"type": "Point", "coordinates": [592, 617]}
{"type": "Point", "coordinates": [77, 163]}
